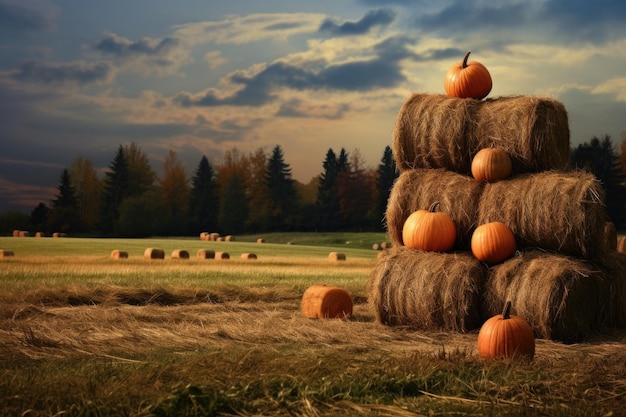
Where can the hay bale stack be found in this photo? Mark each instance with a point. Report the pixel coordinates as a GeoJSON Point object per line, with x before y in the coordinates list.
{"type": "Point", "coordinates": [437, 131]}
{"type": "Point", "coordinates": [152, 253]}
{"type": "Point", "coordinates": [337, 256]}
{"type": "Point", "coordinates": [205, 254]}
{"type": "Point", "coordinates": [562, 298]}
{"type": "Point", "coordinates": [119, 254]}
{"type": "Point", "coordinates": [427, 290]}
{"type": "Point", "coordinates": [326, 302]}
{"type": "Point", "coordinates": [560, 211]}
{"type": "Point", "coordinates": [458, 196]}
{"type": "Point", "coordinates": [248, 256]}
{"type": "Point", "coordinates": [6, 253]}
{"type": "Point", "coordinates": [180, 254]}
{"type": "Point", "coordinates": [222, 255]}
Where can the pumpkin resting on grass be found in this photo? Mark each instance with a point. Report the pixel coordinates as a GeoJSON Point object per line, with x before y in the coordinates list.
{"type": "Point", "coordinates": [505, 336]}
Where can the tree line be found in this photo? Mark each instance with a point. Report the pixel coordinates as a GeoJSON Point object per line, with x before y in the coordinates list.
{"type": "Point", "coordinates": [251, 193]}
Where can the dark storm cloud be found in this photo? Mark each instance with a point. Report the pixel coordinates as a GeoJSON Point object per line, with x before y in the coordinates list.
{"type": "Point", "coordinates": [55, 73]}
{"type": "Point", "coordinates": [24, 17]}
{"type": "Point", "coordinates": [380, 17]}
{"type": "Point", "coordinates": [118, 46]}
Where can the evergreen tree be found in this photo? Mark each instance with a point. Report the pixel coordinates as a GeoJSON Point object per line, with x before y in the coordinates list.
{"type": "Point", "coordinates": [39, 217]}
{"type": "Point", "coordinates": [329, 208]}
{"type": "Point", "coordinates": [141, 176]}
{"type": "Point", "coordinates": [203, 202]}
{"type": "Point", "coordinates": [283, 197]}
{"type": "Point", "coordinates": [88, 188]}
{"type": "Point", "coordinates": [116, 189]}
{"type": "Point", "coordinates": [64, 216]}
{"type": "Point", "coordinates": [233, 207]}
{"type": "Point", "coordinates": [356, 191]}
{"type": "Point", "coordinates": [175, 192]}
{"type": "Point", "coordinates": [600, 158]}
{"type": "Point", "coordinates": [386, 175]}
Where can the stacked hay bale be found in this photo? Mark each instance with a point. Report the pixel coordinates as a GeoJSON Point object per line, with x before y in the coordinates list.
{"type": "Point", "coordinates": [565, 280]}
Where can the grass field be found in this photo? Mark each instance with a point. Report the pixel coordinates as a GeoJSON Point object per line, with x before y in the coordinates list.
{"type": "Point", "coordinates": [82, 334]}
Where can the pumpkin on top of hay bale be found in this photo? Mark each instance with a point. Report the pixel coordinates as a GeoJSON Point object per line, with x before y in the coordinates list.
{"type": "Point", "coordinates": [326, 302]}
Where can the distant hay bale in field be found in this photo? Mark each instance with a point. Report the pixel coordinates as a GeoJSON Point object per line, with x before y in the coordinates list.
{"type": "Point", "coordinates": [458, 196]}
{"type": "Point", "coordinates": [24, 233]}
{"type": "Point", "coordinates": [621, 244]}
{"type": "Point", "coordinates": [119, 254]}
{"type": "Point", "coordinates": [222, 255]}
{"type": "Point", "coordinates": [40, 234]}
{"type": "Point", "coordinates": [376, 246]}
{"type": "Point", "coordinates": [205, 254]}
{"type": "Point", "coordinates": [260, 240]}
{"type": "Point", "coordinates": [337, 256]}
{"type": "Point", "coordinates": [16, 233]}
{"type": "Point", "coordinates": [219, 239]}
{"type": "Point", "coordinates": [610, 236]}
{"type": "Point", "coordinates": [560, 211]}
{"type": "Point", "coordinates": [214, 236]}
{"type": "Point", "coordinates": [326, 302]}
{"type": "Point", "coordinates": [385, 245]}
{"type": "Point", "coordinates": [437, 131]}
{"type": "Point", "coordinates": [229, 238]}
{"type": "Point", "coordinates": [426, 290]}
{"type": "Point", "coordinates": [59, 234]}
{"type": "Point", "coordinates": [562, 298]}
{"type": "Point", "coordinates": [180, 254]}
{"type": "Point", "coordinates": [204, 236]}
{"type": "Point", "coordinates": [6, 253]}
{"type": "Point", "coordinates": [152, 253]}
{"type": "Point", "coordinates": [248, 256]}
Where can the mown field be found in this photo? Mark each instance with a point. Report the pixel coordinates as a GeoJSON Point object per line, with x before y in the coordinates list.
{"type": "Point", "coordinates": [82, 334]}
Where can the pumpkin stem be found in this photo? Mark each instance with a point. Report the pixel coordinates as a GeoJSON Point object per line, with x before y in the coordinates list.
{"type": "Point", "coordinates": [506, 313]}
{"type": "Point", "coordinates": [465, 60]}
{"type": "Point", "coordinates": [433, 207]}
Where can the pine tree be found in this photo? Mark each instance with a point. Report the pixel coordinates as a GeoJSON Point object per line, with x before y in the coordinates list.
{"type": "Point", "coordinates": [114, 192]}
{"type": "Point", "coordinates": [282, 194]}
{"type": "Point", "coordinates": [329, 207]}
{"type": "Point", "coordinates": [233, 207]}
{"type": "Point", "coordinates": [84, 180]}
{"type": "Point", "coordinates": [64, 213]}
{"type": "Point", "coordinates": [386, 175]}
{"type": "Point", "coordinates": [203, 201]}
{"type": "Point", "coordinates": [175, 194]}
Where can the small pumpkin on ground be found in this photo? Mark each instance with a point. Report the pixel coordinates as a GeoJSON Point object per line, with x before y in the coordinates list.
{"type": "Point", "coordinates": [468, 80]}
{"type": "Point", "coordinates": [505, 336]}
{"type": "Point", "coordinates": [493, 243]}
{"type": "Point", "coordinates": [429, 230]}
{"type": "Point", "coordinates": [491, 165]}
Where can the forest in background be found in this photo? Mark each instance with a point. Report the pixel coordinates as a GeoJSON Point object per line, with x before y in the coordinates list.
{"type": "Point", "coordinates": [250, 193]}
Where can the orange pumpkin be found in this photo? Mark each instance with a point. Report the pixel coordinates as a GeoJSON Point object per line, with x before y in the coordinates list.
{"type": "Point", "coordinates": [491, 165]}
{"type": "Point", "coordinates": [506, 336]}
{"type": "Point", "coordinates": [429, 230]}
{"type": "Point", "coordinates": [493, 242]}
{"type": "Point", "coordinates": [467, 80]}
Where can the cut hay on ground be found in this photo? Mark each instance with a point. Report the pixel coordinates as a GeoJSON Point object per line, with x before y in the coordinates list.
{"type": "Point", "coordinates": [427, 290]}
{"type": "Point", "coordinates": [326, 302]}
{"type": "Point", "coordinates": [437, 131]}
{"type": "Point", "coordinates": [119, 254]}
{"type": "Point", "coordinates": [205, 254]}
{"type": "Point", "coordinates": [337, 256]}
{"type": "Point", "coordinates": [458, 196]}
{"type": "Point", "coordinates": [560, 211]}
{"type": "Point", "coordinates": [180, 254]}
{"type": "Point", "coordinates": [562, 298]}
{"type": "Point", "coordinates": [152, 253]}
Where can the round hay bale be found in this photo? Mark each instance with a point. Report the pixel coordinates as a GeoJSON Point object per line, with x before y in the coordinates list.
{"type": "Point", "coordinates": [458, 196]}
{"type": "Point", "coordinates": [59, 235]}
{"type": "Point", "coordinates": [24, 233]}
{"type": "Point", "coordinates": [438, 131]}
{"type": "Point", "coordinates": [248, 256]}
{"type": "Point", "coordinates": [559, 211]}
{"type": "Point", "coordinates": [40, 234]}
{"type": "Point", "coordinates": [6, 253]}
{"type": "Point", "coordinates": [385, 245]}
{"type": "Point", "coordinates": [260, 240]}
{"type": "Point", "coordinates": [119, 254]}
{"type": "Point", "coordinates": [204, 236]}
{"type": "Point", "coordinates": [326, 302]}
{"type": "Point", "coordinates": [426, 290]}
{"type": "Point", "coordinates": [376, 246]}
{"type": "Point", "coordinates": [152, 253]}
{"type": "Point", "coordinates": [610, 236]}
{"type": "Point", "coordinates": [621, 244]}
{"type": "Point", "coordinates": [219, 239]}
{"type": "Point", "coordinates": [213, 236]}
{"type": "Point", "coordinates": [229, 238]}
{"type": "Point", "coordinates": [562, 298]}
{"type": "Point", "coordinates": [180, 254]}
{"type": "Point", "coordinates": [222, 255]}
{"type": "Point", "coordinates": [205, 254]}
{"type": "Point", "coordinates": [337, 256]}
{"type": "Point", "coordinates": [16, 233]}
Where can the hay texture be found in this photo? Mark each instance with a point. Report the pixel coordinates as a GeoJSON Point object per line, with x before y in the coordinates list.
{"type": "Point", "coordinates": [180, 254]}
{"type": "Point", "coordinates": [437, 131]}
{"type": "Point", "coordinates": [153, 253]}
{"type": "Point", "coordinates": [458, 196]}
{"type": "Point", "coordinates": [427, 290]}
{"type": "Point", "coordinates": [119, 254]}
{"type": "Point", "coordinates": [562, 298]}
{"type": "Point", "coordinates": [326, 302]}
{"type": "Point", "coordinates": [559, 211]}
{"type": "Point", "coordinates": [205, 254]}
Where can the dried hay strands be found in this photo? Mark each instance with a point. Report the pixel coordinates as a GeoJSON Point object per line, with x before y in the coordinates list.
{"type": "Point", "coordinates": [458, 196]}
{"type": "Point", "coordinates": [152, 253]}
{"type": "Point", "coordinates": [427, 290]}
{"type": "Point", "coordinates": [562, 298]}
{"type": "Point", "coordinates": [437, 131]}
{"type": "Point", "coordinates": [560, 211]}
{"type": "Point", "coordinates": [205, 254]}
{"type": "Point", "coordinates": [324, 302]}
{"type": "Point", "coordinates": [119, 254]}
{"type": "Point", "coordinates": [180, 254]}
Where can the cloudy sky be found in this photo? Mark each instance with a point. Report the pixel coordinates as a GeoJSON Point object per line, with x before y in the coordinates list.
{"type": "Point", "coordinates": [79, 78]}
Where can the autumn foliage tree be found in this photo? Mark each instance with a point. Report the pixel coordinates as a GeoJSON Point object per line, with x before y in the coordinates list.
{"type": "Point", "coordinates": [88, 190]}
{"type": "Point", "coordinates": [175, 192]}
